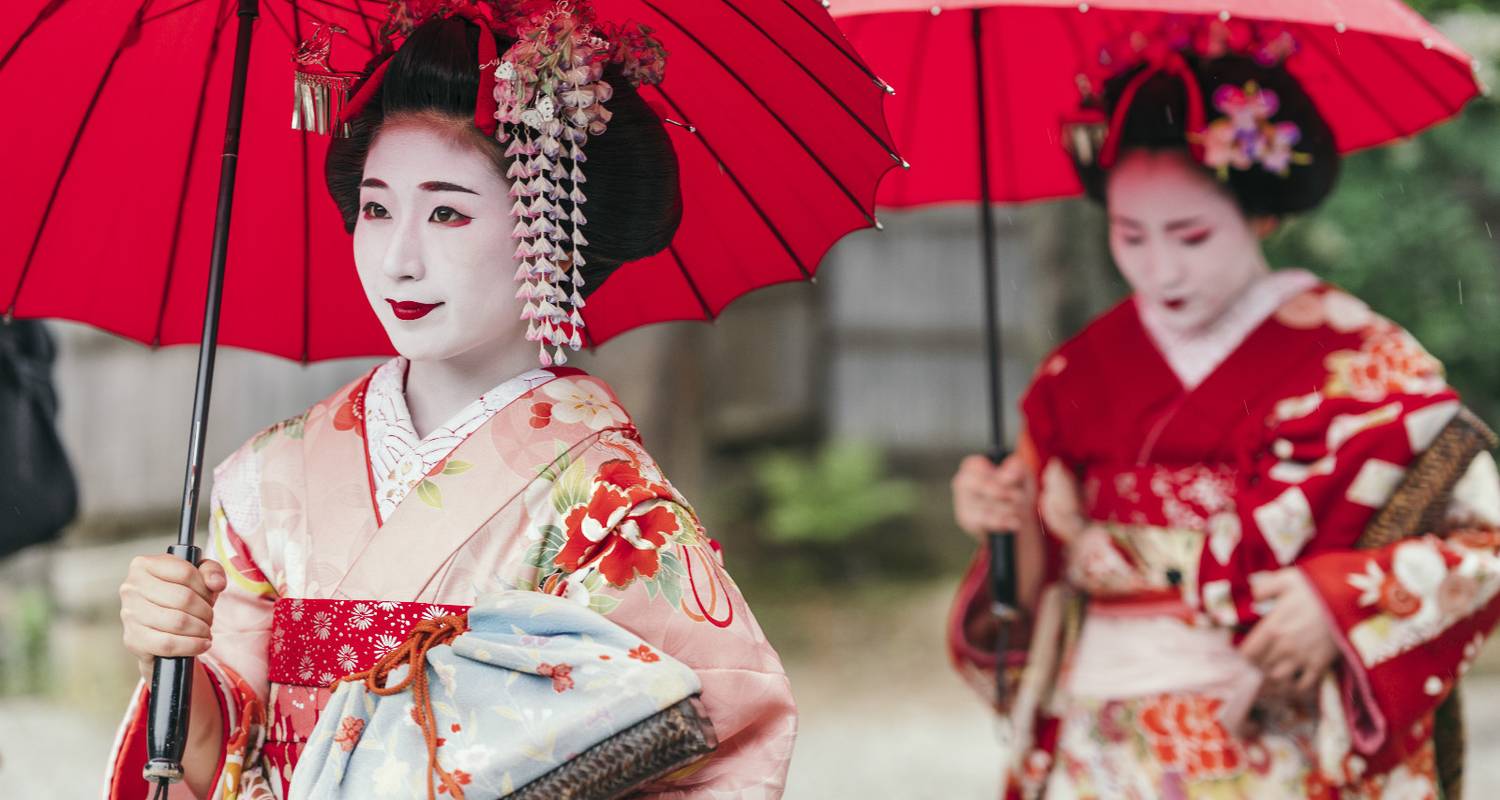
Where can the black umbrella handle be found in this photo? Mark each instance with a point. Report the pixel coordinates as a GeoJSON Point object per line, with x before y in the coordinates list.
{"type": "Point", "coordinates": [171, 701]}
{"type": "Point", "coordinates": [172, 678]}
{"type": "Point", "coordinates": [1002, 578]}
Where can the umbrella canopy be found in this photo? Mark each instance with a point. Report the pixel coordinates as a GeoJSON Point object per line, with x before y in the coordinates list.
{"type": "Point", "coordinates": [113, 169]}
{"type": "Point", "coordinates": [1376, 70]}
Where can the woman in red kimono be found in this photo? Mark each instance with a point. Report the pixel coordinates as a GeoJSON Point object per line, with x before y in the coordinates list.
{"type": "Point", "coordinates": [1196, 468]}
{"type": "Point", "coordinates": [460, 468]}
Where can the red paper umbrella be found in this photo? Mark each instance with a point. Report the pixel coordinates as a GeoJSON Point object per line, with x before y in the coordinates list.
{"type": "Point", "coordinates": [986, 86]}
{"type": "Point", "coordinates": [119, 184]}
{"type": "Point", "coordinates": [112, 143]}
{"type": "Point", "coordinates": [1376, 70]}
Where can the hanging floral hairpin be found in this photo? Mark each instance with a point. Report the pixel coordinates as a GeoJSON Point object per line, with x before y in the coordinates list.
{"type": "Point", "coordinates": [543, 98]}
{"type": "Point", "coordinates": [551, 96]}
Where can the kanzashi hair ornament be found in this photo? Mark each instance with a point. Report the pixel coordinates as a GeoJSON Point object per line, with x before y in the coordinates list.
{"type": "Point", "coordinates": [1243, 138]}
{"type": "Point", "coordinates": [543, 98]}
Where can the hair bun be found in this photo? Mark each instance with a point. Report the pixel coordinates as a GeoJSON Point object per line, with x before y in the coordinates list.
{"type": "Point", "coordinates": [634, 199]}
{"type": "Point", "coordinates": [1156, 120]}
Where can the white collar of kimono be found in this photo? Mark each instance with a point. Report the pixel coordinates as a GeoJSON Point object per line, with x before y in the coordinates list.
{"type": "Point", "coordinates": [399, 458]}
{"type": "Point", "coordinates": [1194, 357]}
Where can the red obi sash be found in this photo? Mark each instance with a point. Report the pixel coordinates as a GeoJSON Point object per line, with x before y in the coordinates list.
{"type": "Point", "coordinates": [316, 642]}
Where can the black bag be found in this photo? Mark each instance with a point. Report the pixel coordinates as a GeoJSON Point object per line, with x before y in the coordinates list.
{"type": "Point", "coordinates": [38, 493]}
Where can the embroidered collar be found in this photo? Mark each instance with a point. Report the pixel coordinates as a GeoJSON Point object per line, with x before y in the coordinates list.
{"type": "Point", "coordinates": [399, 458]}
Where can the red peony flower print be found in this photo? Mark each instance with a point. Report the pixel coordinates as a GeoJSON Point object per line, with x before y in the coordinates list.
{"type": "Point", "coordinates": [351, 413]}
{"type": "Point", "coordinates": [1185, 734]}
{"type": "Point", "coordinates": [541, 415]}
{"type": "Point", "coordinates": [561, 675]}
{"type": "Point", "coordinates": [350, 729]}
{"type": "Point", "coordinates": [617, 529]}
{"type": "Point", "coordinates": [644, 655]}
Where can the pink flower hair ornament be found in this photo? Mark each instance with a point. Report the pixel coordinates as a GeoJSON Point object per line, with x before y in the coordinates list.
{"type": "Point", "coordinates": [1243, 138]}
{"type": "Point", "coordinates": [543, 98]}
{"type": "Point", "coordinates": [1246, 137]}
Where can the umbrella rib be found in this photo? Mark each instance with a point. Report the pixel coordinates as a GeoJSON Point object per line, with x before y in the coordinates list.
{"type": "Point", "coordinates": [749, 198]}
{"type": "Point", "coordinates": [285, 31]}
{"type": "Point", "coordinates": [844, 51]}
{"type": "Point", "coordinates": [1421, 79]}
{"type": "Point", "coordinates": [918, 65]}
{"type": "Point", "coordinates": [187, 173]}
{"type": "Point", "coordinates": [364, 18]}
{"type": "Point", "coordinates": [1002, 102]}
{"type": "Point", "coordinates": [819, 81]}
{"type": "Point", "coordinates": [306, 226]}
{"type": "Point", "coordinates": [62, 172]}
{"type": "Point", "coordinates": [692, 284]}
{"type": "Point", "coordinates": [41, 16]}
{"type": "Point", "coordinates": [352, 9]}
{"type": "Point", "coordinates": [1079, 50]}
{"type": "Point", "coordinates": [1359, 88]}
{"type": "Point", "coordinates": [168, 12]}
{"type": "Point", "coordinates": [858, 206]}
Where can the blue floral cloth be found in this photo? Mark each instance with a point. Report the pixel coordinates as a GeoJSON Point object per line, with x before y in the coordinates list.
{"type": "Point", "coordinates": [535, 680]}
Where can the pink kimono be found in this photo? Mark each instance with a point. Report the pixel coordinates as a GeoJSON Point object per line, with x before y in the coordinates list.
{"type": "Point", "coordinates": [339, 528]}
{"type": "Point", "coordinates": [1172, 474]}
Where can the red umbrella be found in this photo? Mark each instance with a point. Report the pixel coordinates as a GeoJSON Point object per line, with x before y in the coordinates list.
{"type": "Point", "coordinates": [114, 197]}
{"type": "Point", "coordinates": [1375, 68]}
{"type": "Point", "coordinates": [1007, 73]}
{"type": "Point", "coordinates": [114, 172]}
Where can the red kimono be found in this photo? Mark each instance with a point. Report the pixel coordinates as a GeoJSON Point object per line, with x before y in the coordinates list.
{"type": "Point", "coordinates": [1164, 497]}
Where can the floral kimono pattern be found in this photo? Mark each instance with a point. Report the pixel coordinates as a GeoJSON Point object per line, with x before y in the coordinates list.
{"type": "Point", "coordinates": [1163, 503]}
{"type": "Point", "coordinates": [551, 493]}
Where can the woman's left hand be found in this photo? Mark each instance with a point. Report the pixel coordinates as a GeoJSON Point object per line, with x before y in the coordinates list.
{"type": "Point", "coordinates": [1294, 644]}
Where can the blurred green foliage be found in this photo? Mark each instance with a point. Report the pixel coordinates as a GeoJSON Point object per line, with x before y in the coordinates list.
{"type": "Point", "coordinates": [1431, 8]}
{"type": "Point", "coordinates": [830, 496]}
{"type": "Point", "coordinates": [1412, 230]}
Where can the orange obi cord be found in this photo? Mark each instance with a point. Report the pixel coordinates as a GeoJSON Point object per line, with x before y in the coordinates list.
{"type": "Point", "coordinates": [424, 636]}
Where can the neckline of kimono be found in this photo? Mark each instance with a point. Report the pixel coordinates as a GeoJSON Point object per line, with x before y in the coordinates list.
{"type": "Point", "coordinates": [1225, 370]}
{"type": "Point", "coordinates": [364, 431]}
{"type": "Point", "coordinates": [1273, 290]}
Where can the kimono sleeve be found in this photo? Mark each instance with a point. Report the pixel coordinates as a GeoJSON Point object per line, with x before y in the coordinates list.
{"type": "Point", "coordinates": [235, 666]}
{"type": "Point", "coordinates": [1320, 464]}
{"type": "Point", "coordinates": [1410, 618]}
{"type": "Point", "coordinates": [619, 539]}
{"type": "Point", "coordinates": [972, 627]}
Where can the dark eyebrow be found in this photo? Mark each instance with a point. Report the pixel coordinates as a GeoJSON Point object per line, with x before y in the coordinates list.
{"type": "Point", "coordinates": [1183, 224]}
{"type": "Point", "coordinates": [373, 183]}
{"type": "Point", "coordinates": [444, 186]}
{"type": "Point", "coordinates": [1119, 220]}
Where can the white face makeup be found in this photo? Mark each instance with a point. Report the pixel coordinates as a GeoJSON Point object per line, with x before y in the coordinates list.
{"type": "Point", "coordinates": [1179, 239]}
{"type": "Point", "coordinates": [432, 243]}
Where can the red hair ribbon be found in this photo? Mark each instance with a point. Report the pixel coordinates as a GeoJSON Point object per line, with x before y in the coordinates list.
{"type": "Point", "coordinates": [1172, 63]}
{"type": "Point", "coordinates": [485, 105]}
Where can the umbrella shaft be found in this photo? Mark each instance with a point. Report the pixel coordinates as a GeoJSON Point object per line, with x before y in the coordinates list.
{"type": "Point", "coordinates": [989, 263]}
{"type": "Point", "coordinates": [171, 684]}
{"type": "Point", "coordinates": [209, 341]}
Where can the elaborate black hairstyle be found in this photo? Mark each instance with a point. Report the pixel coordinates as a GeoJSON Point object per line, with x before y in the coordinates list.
{"type": "Point", "coordinates": [634, 201]}
{"type": "Point", "coordinates": [1156, 119]}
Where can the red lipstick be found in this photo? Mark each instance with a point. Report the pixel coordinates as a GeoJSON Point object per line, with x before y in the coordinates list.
{"type": "Point", "coordinates": [408, 310]}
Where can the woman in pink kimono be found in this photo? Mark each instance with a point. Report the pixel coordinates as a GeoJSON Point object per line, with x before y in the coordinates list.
{"type": "Point", "coordinates": [459, 468]}
{"type": "Point", "coordinates": [1198, 472]}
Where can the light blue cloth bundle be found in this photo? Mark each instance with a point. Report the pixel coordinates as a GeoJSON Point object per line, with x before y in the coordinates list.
{"type": "Point", "coordinates": [534, 681]}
